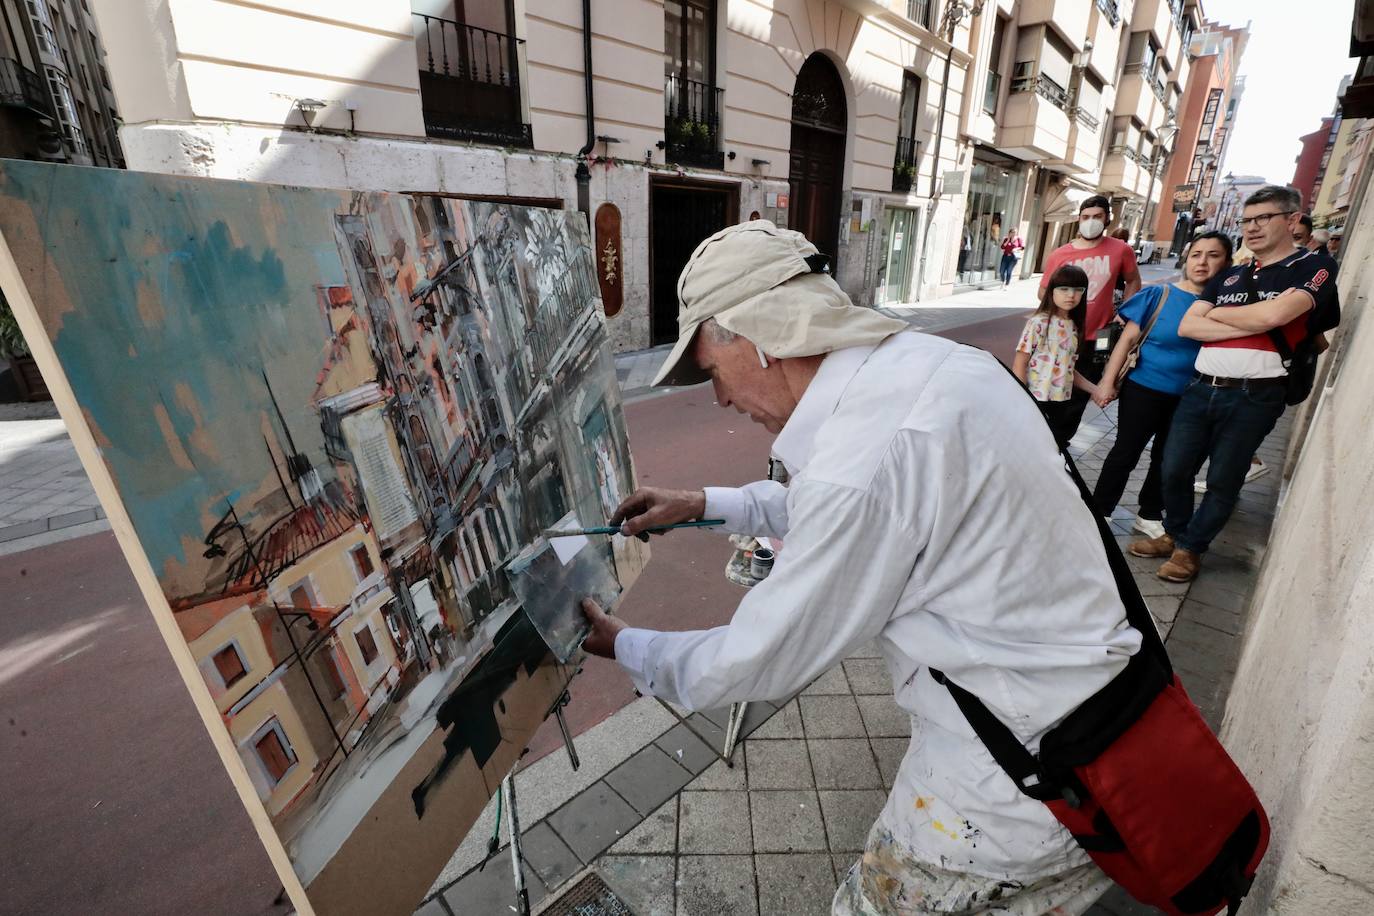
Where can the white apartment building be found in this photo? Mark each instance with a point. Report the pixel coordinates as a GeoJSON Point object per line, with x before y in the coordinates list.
{"type": "Point", "coordinates": [705, 112]}
{"type": "Point", "coordinates": [903, 155]}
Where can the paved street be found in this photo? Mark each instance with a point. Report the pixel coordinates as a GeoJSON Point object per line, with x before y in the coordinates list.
{"type": "Point", "coordinates": [669, 830]}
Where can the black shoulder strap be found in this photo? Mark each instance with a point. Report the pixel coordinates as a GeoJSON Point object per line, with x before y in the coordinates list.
{"type": "Point", "coordinates": [1011, 755]}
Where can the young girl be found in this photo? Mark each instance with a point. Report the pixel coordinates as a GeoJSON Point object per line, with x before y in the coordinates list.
{"type": "Point", "coordinates": [1049, 345]}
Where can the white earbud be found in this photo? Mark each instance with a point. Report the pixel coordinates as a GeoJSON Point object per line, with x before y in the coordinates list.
{"type": "Point", "coordinates": [763, 360]}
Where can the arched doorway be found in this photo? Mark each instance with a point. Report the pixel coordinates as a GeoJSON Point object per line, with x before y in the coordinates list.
{"type": "Point", "coordinates": [820, 120]}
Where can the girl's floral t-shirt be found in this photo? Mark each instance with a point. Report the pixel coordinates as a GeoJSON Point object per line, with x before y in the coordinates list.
{"type": "Point", "coordinates": [1052, 342]}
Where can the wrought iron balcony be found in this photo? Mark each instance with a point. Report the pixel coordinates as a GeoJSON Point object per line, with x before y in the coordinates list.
{"type": "Point", "coordinates": [470, 83]}
{"type": "Point", "coordinates": [904, 164]}
{"type": "Point", "coordinates": [1024, 78]}
{"type": "Point", "coordinates": [1051, 91]}
{"type": "Point", "coordinates": [990, 92]}
{"type": "Point", "coordinates": [691, 123]}
{"type": "Point", "coordinates": [20, 87]}
{"type": "Point", "coordinates": [1087, 120]}
{"type": "Point", "coordinates": [1119, 150]}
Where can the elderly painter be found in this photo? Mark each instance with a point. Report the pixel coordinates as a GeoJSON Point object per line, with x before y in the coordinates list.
{"type": "Point", "coordinates": [928, 511]}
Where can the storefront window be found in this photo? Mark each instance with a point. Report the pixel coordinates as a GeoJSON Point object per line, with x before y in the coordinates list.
{"type": "Point", "coordinates": [994, 205]}
{"type": "Point", "coordinates": [895, 273]}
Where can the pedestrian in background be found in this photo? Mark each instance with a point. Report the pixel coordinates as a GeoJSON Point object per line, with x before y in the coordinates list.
{"type": "Point", "coordinates": [1046, 355]}
{"type": "Point", "coordinates": [1302, 235]}
{"type": "Point", "coordinates": [1150, 391]}
{"type": "Point", "coordinates": [1012, 246]}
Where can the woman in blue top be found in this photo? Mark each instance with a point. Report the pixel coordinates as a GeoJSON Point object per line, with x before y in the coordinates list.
{"type": "Point", "coordinates": [1152, 390]}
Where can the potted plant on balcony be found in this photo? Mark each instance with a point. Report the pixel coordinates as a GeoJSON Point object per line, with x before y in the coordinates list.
{"type": "Point", "coordinates": [903, 174]}
{"type": "Point", "coordinates": [14, 349]}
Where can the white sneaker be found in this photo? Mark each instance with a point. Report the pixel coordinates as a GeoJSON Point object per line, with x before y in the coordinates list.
{"type": "Point", "coordinates": [1149, 527]}
{"type": "Point", "coordinates": [1257, 470]}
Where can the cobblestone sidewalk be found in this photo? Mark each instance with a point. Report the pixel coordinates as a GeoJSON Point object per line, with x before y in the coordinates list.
{"type": "Point", "coordinates": [676, 833]}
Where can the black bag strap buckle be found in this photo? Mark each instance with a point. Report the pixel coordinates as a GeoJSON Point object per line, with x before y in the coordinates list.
{"type": "Point", "coordinates": [819, 263]}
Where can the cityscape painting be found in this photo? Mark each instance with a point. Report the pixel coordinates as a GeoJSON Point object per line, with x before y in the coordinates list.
{"type": "Point", "coordinates": [335, 420]}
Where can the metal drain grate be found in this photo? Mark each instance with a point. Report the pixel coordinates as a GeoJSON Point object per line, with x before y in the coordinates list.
{"type": "Point", "coordinates": [589, 897]}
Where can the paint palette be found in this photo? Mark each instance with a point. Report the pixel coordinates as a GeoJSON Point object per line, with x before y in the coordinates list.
{"type": "Point", "coordinates": [322, 424]}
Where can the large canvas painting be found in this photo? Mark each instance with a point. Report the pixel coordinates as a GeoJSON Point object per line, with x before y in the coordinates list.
{"type": "Point", "coordinates": [329, 428]}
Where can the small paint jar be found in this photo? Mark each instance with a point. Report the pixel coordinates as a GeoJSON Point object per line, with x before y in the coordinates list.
{"type": "Point", "coordinates": [762, 562]}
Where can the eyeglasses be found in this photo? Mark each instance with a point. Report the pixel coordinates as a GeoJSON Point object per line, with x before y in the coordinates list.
{"type": "Point", "coordinates": [1259, 222]}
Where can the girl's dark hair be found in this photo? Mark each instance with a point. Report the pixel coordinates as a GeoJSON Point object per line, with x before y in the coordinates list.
{"type": "Point", "coordinates": [1221, 237]}
{"type": "Point", "coordinates": [1067, 275]}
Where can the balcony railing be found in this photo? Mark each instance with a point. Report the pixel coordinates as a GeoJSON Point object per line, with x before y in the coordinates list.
{"type": "Point", "coordinates": [1146, 72]}
{"type": "Point", "coordinates": [470, 83]}
{"type": "Point", "coordinates": [1025, 79]}
{"type": "Point", "coordinates": [691, 122]}
{"type": "Point", "coordinates": [904, 164]}
{"type": "Point", "coordinates": [20, 87]}
{"type": "Point", "coordinates": [1051, 91]}
{"type": "Point", "coordinates": [1119, 150]}
{"type": "Point", "coordinates": [1088, 120]}
{"type": "Point", "coordinates": [1109, 9]}
{"type": "Point", "coordinates": [991, 91]}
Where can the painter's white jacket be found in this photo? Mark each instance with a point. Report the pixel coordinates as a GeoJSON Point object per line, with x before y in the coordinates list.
{"type": "Point", "coordinates": [928, 510]}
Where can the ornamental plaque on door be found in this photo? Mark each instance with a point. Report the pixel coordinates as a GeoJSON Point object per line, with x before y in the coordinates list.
{"type": "Point", "coordinates": [610, 265]}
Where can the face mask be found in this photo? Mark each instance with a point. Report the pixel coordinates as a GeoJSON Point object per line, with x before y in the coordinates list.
{"type": "Point", "coordinates": [1091, 228]}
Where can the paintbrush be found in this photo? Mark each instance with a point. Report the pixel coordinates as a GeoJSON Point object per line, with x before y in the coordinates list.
{"type": "Point", "coordinates": [613, 529]}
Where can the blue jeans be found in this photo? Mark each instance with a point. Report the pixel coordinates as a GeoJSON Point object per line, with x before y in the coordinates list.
{"type": "Point", "coordinates": [1004, 269]}
{"type": "Point", "coordinates": [1225, 426]}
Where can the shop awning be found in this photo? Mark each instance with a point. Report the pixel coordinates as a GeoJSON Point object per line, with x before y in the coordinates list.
{"type": "Point", "coordinates": [1062, 203]}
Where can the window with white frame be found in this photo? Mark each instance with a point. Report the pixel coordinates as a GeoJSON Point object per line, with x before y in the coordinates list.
{"type": "Point", "coordinates": [274, 751]}
{"type": "Point", "coordinates": [367, 644]}
{"type": "Point", "coordinates": [230, 664]}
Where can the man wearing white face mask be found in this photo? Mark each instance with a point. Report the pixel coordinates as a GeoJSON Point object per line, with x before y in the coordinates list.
{"type": "Point", "coordinates": [1103, 259]}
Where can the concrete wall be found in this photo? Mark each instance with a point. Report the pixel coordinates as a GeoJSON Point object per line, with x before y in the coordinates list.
{"type": "Point", "coordinates": [1301, 716]}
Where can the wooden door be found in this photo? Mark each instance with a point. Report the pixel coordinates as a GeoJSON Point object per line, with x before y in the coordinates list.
{"type": "Point", "coordinates": [816, 163]}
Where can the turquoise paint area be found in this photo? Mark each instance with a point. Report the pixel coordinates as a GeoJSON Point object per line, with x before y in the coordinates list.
{"type": "Point", "coordinates": [228, 275]}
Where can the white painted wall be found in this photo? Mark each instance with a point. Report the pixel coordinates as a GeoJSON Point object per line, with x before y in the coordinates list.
{"type": "Point", "coordinates": [209, 88]}
{"type": "Point", "coordinates": [1300, 721]}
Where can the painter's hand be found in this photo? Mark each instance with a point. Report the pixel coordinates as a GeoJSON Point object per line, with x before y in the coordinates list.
{"type": "Point", "coordinates": [649, 507]}
{"type": "Point", "coordinates": [605, 628]}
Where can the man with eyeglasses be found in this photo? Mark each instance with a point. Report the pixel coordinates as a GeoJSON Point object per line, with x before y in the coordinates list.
{"type": "Point", "coordinates": [1240, 389]}
{"type": "Point", "coordinates": [1105, 260]}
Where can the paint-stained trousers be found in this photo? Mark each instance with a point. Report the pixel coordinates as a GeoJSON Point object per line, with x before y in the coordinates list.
{"type": "Point", "coordinates": [884, 884]}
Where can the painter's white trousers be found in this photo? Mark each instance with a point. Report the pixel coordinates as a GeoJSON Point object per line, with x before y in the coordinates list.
{"type": "Point", "coordinates": [889, 882]}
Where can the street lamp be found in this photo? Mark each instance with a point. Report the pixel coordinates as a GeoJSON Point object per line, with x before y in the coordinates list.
{"type": "Point", "coordinates": [1163, 136]}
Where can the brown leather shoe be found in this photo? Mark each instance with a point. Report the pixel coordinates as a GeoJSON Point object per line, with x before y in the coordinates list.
{"type": "Point", "coordinates": [1181, 567]}
{"type": "Point", "coordinates": [1152, 548]}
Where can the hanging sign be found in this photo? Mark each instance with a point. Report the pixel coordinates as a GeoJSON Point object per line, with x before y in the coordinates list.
{"type": "Point", "coordinates": [610, 264]}
{"type": "Point", "coordinates": [1185, 196]}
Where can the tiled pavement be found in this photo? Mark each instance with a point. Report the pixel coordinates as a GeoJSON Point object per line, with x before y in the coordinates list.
{"type": "Point", "coordinates": [670, 829]}
{"type": "Point", "coordinates": [676, 833]}
{"type": "Point", "coordinates": [43, 487]}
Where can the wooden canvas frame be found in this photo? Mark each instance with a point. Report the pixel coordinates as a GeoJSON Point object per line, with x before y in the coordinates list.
{"type": "Point", "coordinates": [380, 866]}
